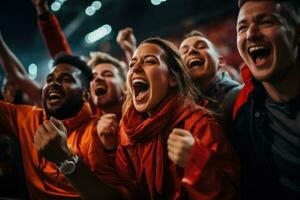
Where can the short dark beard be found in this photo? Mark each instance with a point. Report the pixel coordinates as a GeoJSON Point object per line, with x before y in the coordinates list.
{"type": "Point", "coordinates": [66, 111]}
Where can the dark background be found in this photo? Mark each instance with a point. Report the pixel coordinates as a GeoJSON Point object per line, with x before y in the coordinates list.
{"type": "Point", "coordinates": [171, 19]}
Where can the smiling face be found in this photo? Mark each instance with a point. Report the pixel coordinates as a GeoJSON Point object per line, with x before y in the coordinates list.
{"type": "Point", "coordinates": [148, 78]}
{"type": "Point", "coordinates": [63, 92]}
{"type": "Point", "coordinates": [266, 40]}
{"type": "Point", "coordinates": [200, 58]}
{"type": "Point", "coordinates": [107, 86]}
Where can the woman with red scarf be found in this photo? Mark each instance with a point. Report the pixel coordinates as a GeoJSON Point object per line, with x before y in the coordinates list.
{"type": "Point", "coordinates": [170, 148]}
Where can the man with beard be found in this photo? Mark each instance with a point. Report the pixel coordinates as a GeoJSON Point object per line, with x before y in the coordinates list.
{"type": "Point", "coordinates": [62, 159]}
{"type": "Point", "coordinates": [267, 111]}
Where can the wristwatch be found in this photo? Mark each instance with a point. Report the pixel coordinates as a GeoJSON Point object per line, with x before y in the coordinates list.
{"type": "Point", "coordinates": [68, 166]}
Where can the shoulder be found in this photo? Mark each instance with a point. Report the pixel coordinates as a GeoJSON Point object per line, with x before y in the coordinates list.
{"type": "Point", "coordinates": [200, 118]}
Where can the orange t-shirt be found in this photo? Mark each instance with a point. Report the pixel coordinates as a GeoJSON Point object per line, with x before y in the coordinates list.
{"type": "Point", "coordinates": [42, 178]}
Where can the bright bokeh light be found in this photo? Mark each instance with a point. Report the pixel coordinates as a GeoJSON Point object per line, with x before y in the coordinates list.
{"type": "Point", "coordinates": [55, 6]}
{"type": "Point", "coordinates": [50, 64]}
{"type": "Point", "coordinates": [90, 11]}
{"type": "Point", "coordinates": [97, 5]}
{"type": "Point", "coordinates": [156, 2]}
{"type": "Point", "coordinates": [32, 70]}
{"type": "Point", "coordinates": [61, 1]}
{"type": "Point", "coordinates": [98, 34]}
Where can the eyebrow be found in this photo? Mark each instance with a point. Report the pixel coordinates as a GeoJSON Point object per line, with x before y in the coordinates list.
{"type": "Point", "coordinates": [257, 18]}
{"type": "Point", "coordinates": [49, 75]}
{"type": "Point", "coordinates": [65, 74]}
{"type": "Point", "coordinates": [143, 57]}
{"type": "Point", "coordinates": [133, 59]}
{"type": "Point", "coordinates": [107, 70]}
{"type": "Point", "coordinates": [202, 41]}
{"type": "Point", "coordinates": [60, 75]}
{"type": "Point", "coordinates": [147, 56]}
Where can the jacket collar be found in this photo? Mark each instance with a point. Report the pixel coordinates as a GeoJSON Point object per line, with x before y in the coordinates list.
{"type": "Point", "coordinates": [84, 115]}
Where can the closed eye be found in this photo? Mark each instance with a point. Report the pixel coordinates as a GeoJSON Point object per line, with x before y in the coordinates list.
{"type": "Point", "coordinates": [183, 50]}
{"type": "Point", "coordinates": [131, 64]}
{"type": "Point", "coordinates": [150, 60]}
{"type": "Point", "coordinates": [108, 74]}
{"type": "Point", "coordinates": [266, 23]}
{"type": "Point", "coordinates": [49, 79]}
{"type": "Point", "coordinates": [201, 45]}
{"type": "Point", "coordinates": [67, 78]}
{"type": "Point", "coordinates": [242, 28]}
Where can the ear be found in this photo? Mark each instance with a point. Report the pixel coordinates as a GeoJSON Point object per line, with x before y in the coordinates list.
{"type": "Point", "coordinates": [172, 81]}
{"type": "Point", "coordinates": [86, 95]}
{"type": "Point", "coordinates": [221, 62]}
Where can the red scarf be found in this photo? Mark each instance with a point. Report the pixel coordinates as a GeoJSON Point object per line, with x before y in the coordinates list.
{"type": "Point", "coordinates": [148, 139]}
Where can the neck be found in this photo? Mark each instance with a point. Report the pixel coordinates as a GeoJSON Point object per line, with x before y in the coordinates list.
{"type": "Point", "coordinates": [204, 85]}
{"type": "Point", "coordinates": [115, 109]}
{"type": "Point", "coordinates": [285, 89]}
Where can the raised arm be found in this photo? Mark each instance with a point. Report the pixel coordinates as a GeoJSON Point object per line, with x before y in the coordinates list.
{"type": "Point", "coordinates": [127, 42]}
{"type": "Point", "coordinates": [50, 29]}
{"type": "Point", "coordinates": [16, 71]}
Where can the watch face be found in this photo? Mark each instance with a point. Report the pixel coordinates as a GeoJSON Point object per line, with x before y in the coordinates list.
{"type": "Point", "coordinates": [68, 167]}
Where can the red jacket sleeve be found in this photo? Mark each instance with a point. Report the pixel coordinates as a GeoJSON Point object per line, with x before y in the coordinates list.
{"type": "Point", "coordinates": [103, 166]}
{"type": "Point", "coordinates": [212, 170]}
{"type": "Point", "coordinates": [53, 35]}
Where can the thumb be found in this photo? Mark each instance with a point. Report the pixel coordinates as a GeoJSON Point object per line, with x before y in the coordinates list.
{"type": "Point", "coordinates": [58, 124]}
{"type": "Point", "coordinates": [180, 132]}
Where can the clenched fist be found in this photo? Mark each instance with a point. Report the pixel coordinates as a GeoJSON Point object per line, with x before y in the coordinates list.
{"type": "Point", "coordinates": [51, 141]}
{"type": "Point", "coordinates": [180, 143]}
{"type": "Point", "coordinates": [107, 130]}
{"type": "Point", "coordinates": [127, 42]}
{"type": "Point", "coordinates": [41, 6]}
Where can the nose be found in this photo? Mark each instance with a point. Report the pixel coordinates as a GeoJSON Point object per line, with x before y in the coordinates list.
{"type": "Point", "coordinates": [192, 50]}
{"type": "Point", "coordinates": [54, 83]}
{"type": "Point", "coordinates": [98, 78]}
{"type": "Point", "coordinates": [136, 67]}
{"type": "Point", "coordinates": [252, 32]}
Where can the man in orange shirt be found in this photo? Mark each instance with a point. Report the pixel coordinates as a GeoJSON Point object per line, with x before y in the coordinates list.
{"type": "Point", "coordinates": [62, 159]}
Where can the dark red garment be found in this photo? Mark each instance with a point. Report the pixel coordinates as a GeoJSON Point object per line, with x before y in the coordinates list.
{"type": "Point", "coordinates": [142, 158]}
{"type": "Point", "coordinates": [53, 35]}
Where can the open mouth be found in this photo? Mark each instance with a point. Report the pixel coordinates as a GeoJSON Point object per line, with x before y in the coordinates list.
{"type": "Point", "coordinates": [54, 96]}
{"type": "Point", "coordinates": [100, 90]}
{"type": "Point", "coordinates": [140, 88]}
{"type": "Point", "coordinates": [195, 62]}
{"type": "Point", "coordinates": [259, 53]}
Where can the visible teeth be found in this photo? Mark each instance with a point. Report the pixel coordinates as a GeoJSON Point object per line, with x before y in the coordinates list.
{"type": "Point", "coordinates": [100, 87]}
{"type": "Point", "coordinates": [255, 48]}
{"type": "Point", "coordinates": [54, 96]}
{"type": "Point", "coordinates": [138, 81]}
{"type": "Point", "coordinates": [194, 59]}
{"type": "Point", "coordinates": [195, 62]}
